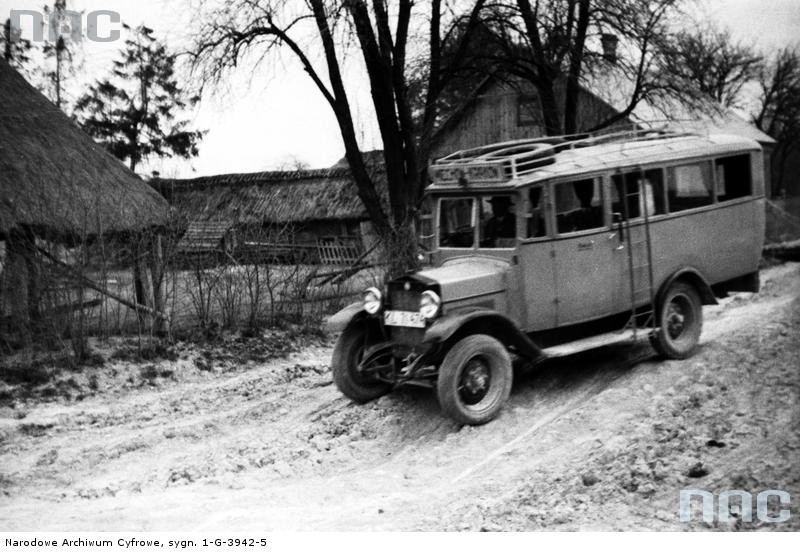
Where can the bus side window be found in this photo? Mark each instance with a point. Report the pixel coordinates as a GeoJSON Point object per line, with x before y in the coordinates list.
{"type": "Point", "coordinates": [625, 187]}
{"type": "Point", "coordinates": [733, 177]}
{"type": "Point", "coordinates": [689, 186]}
{"type": "Point", "coordinates": [579, 205]}
{"type": "Point", "coordinates": [535, 218]}
{"type": "Point", "coordinates": [645, 193]}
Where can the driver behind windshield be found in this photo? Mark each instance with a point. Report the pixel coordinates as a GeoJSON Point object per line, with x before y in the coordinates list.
{"type": "Point", "coordinates": [502, 224]}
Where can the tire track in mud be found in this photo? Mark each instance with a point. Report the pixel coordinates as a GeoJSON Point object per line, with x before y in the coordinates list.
{"type": "Point", "coordinates": [560, 377]}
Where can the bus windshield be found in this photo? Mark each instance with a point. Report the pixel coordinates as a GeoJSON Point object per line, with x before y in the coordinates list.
{"type": "Point", "coordinates": [457, 222]}
{"type": "Point", "coordinates": [492, 216]}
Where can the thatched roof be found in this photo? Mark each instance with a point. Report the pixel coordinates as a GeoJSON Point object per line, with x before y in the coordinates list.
{"type": "Point", "coordinates": [277, 197]}
{"type": "Point", "coordinates": [56, 180]}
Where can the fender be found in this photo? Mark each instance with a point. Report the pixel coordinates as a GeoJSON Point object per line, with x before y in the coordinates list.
{"type": "Point", "coordinates": [469, 320]}
{"type": "Point", "coordinates": [694, 277]}
{"type": "Point", "coordinates": [338, 322]}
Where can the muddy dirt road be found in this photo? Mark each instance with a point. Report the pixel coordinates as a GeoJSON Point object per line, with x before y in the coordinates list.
{"type": "Point", "coordinates": [600, 441]}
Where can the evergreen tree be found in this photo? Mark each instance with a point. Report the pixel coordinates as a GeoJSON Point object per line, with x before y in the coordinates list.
{"type": "Point", "coordinates": [135, 111]}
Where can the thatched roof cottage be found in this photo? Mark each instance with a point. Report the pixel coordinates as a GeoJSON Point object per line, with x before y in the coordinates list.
{"type": "Point", "coordinates": [55, 180]}
{"type": "Point", "coordinates": [58, 185]}
{"type": "Point", "coordinates": [310, 215]}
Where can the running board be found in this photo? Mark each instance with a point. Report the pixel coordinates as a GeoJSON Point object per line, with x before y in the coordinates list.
{"type": "Point", "coordinates": [602, 340]}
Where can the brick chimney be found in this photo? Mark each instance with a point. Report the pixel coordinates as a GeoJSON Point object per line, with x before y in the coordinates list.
{"type": "Point", "coordinates": [609, 42]}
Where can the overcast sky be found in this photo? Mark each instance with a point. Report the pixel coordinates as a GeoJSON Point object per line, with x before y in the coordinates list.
{"type": "Point", "coordinates": [267, 119]}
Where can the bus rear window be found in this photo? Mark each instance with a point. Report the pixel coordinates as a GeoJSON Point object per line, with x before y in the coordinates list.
{"type": "Point", "coordinates": [689, 186]}
{"type": "Point", "coordinates": [733, 177]}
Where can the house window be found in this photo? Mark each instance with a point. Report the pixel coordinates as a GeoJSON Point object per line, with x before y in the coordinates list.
{"type": "Point", "coordinates": [528, 110]}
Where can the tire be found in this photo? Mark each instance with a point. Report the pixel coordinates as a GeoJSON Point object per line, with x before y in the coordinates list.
{"type": "Point", "coordinates": [347, 354]}
{"type": "Point", "coordinates": [474, 380]}
{"type": "Point", "coordinates": [680, 321]}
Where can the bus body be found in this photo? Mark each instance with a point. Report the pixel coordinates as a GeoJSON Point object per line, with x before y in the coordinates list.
{"type": "Point", "coordinates": [552, 246]}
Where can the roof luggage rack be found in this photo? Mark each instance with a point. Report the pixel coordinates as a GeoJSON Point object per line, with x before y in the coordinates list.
{"type": "Point", "coordinates": [504, 161]}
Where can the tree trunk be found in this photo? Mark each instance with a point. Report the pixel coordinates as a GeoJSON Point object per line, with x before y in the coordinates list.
{"type": "Point", "coordinates": [140, 283]}
{"type": "Point", "coordinates": [550, 112]}
{"type": "Point", "coordinates": [571, 101]}
{"type": "Point", "coordinates": [59, 48]}
{"type": "Point", "coordinates": [545, 74]}
{"type": "Point", "coordinates": [157, 276]}
{"type": "Point", "coordinates": [341, 108]}
{"type": "Point", "coordinates": [7, 40]}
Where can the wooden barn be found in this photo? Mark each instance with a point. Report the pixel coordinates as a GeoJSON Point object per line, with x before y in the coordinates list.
{"type": "Point", "coordinates": [503, 110]}
{"type": "Point", "coordinates": [56, 186]}
{"type": "Point", "coordinates": [304, 216]}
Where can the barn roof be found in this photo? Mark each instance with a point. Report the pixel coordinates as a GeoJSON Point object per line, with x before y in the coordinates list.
{"type": "Point", "coordinates": [55, 179]}
{"type": "Point", "coordinates": [276, 197]}
{"type": "Point", "coordinates": [612, 87]}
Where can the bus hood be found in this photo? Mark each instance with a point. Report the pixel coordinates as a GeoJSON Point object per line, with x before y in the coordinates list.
{"type": "Point", "coordinates": [464, 277]}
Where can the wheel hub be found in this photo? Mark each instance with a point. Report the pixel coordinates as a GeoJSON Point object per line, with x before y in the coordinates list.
{"type": "Point", "coordinates": [475, 381]}
{"type": "Point", "coordinates": [675, 320]}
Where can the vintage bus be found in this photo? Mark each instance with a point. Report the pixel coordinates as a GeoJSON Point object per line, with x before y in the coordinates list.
{"type": "Point", "coordinates": [547, 247]}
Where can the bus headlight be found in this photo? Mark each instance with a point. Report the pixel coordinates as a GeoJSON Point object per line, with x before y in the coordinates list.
{"type": "Point", "coordinates": [372, 300]}
{"type": "Point", "coordinates": [429, 305]}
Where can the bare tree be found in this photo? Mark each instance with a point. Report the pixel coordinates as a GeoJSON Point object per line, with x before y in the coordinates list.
{"type": "Point", "coordinates": [549, 41]}
{"type": "Point", "coordinates": [709, 62]}
{"type": "Point", "coordinates": [779, 112]}
{"type": "Point", "coordinates": [245, 30]}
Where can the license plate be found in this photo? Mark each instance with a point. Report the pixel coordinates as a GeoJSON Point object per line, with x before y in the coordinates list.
{"type": "Point", "coordinates": [407, 319]}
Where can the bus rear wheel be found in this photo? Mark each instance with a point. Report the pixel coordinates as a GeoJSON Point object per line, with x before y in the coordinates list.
{"type": "Point", "coordinates": [474, 380]}
{"type": "Point", "coordinates": [680, 321]}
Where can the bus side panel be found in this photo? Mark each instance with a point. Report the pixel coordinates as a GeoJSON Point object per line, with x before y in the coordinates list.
{"type": "Point", "coordinates": [723, 242]}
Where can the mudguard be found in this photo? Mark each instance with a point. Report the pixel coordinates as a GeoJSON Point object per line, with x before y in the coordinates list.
{"type": "Point", "coordinates": [694, 277]}
{"type": "Point", "coordinates": [339, 321]}
{"type": "Point", "coordinates": [472, 320]}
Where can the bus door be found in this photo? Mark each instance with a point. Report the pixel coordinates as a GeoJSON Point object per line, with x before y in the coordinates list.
{"type": "Point", "coordinates": [584, 252]}
{"type": "Point", "coordinates": [636, 197]}
{"type": "Point", "coordinates": [537, 274]}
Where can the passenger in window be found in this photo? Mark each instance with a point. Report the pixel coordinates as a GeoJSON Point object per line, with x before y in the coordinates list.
{"type": "Point", "coordinates": [502, 224]}
{"type": "Point", "coordinates": [589, 216]}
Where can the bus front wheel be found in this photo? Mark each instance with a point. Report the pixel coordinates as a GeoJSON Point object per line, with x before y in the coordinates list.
{"type": "Point", "coordinates": [680, 321]}
{"type": "Point", "coordinates": [474, 380]}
